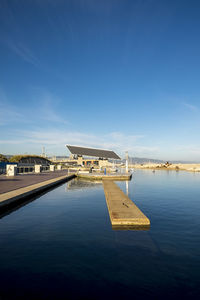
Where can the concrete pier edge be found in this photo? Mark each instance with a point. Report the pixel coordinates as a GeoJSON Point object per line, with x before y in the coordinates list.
{"type": "Point", "coordinates": [13, 197]}
{"type": "Point", "coordinates": [122, 210]}
{"type": "Point", "coordinates": [113, 177]}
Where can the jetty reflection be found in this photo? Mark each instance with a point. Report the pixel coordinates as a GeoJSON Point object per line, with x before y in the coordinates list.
{"type": "Point", "coordinates": [79, 184]}
{"type": "Point", "coordinates": [127, 187]}
{"type": "Point", "coordinates": [130, 227]}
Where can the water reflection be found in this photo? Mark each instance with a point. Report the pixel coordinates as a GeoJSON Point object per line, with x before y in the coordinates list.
{"type": "Point", "coordinates": [65, 240]}
{"type": "Point", "coordinates": [127, 187]}
{"type": "Point", "coordinates": [12, 207]}
{"type": "Point", "coordinates": [79, 184]}
{"type": "Point", "coordinates": [130, 227]}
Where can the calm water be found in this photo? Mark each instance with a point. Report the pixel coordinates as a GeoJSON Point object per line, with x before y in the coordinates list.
{"type": "Point", "coordinates": [62, 246]}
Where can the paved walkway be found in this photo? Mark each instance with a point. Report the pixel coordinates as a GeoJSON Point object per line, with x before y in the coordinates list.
{"type": "Point", "coordinates": [8, 184]}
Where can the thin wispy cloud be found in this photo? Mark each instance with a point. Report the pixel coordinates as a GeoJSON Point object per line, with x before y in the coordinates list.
{"type": "Point", "coordinates": [13, 142]}
{"type": "Point", "coordinates": [48, 104]}
{"type": "Point", "coordinates": [43, 108]}
{"type": "Point", "coordinates": [8, 115]}
{"type": "Point", "coordinates": [13, 35]}
{"type": "Point", "coordinates": [22, 51]}
{"type": "Point", "coordinates": [57, 139]}
{"type": "Point", "coordinates": [122, 141]}
{"type": "Point", "coordinates": [190, 106]}
{"type": "Point", "coordinates": [190, 149]}
{"type": "Point", "coordinates": [49, 114]}
{"type": "Point", "coordinates": [8, 112]}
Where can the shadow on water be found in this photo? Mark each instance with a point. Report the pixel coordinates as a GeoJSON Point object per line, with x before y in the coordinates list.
{"type": "Point", "coordinates": [11, 207]}
{"type": "Point", "coordinates": [8, 209]}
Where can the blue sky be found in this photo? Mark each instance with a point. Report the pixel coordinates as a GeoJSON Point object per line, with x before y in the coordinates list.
{"type": "Point", "coordinates": [121, 75]}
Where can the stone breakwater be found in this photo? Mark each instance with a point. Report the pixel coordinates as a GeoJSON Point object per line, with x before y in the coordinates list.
{"type": "Point", "coordinates": [176, 167]}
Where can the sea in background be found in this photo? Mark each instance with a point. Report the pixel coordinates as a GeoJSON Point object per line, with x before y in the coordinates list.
{"type": "Point", "coordinates": [61, 245]}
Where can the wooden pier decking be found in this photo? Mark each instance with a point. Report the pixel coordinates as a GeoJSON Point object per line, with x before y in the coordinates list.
{"type": "Point", "coordinates": [121, 209]}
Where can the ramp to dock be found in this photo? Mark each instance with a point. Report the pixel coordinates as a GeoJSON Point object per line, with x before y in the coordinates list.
{"type": "Point", "coordinates": [121, 209]}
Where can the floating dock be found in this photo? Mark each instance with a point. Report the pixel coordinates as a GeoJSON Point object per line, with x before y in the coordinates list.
{"type": "Point", "coordinates": [13, 196]}
{"type": "Point", "coordinates": [121, 209]}
{"type": "Point", "coordinates": [101, 176]}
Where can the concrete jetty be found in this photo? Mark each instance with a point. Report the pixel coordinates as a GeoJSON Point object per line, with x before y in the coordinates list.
{"type": "Point", "coordinates": [121, 209]}
{"type": "Point", "coordinates": [123, 212]}
{"type": "Point", "coordinates": [109, 176]}
{"type": "Point", "coordinates": [14, 195]}
{"type": "Point", "coordinates": [8, 184]}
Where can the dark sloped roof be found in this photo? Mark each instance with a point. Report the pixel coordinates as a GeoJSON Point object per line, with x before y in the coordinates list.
{"type": "Point", "coordinates": [30, 159]}
{"type": "Point", "coordinates": [92, 152]}
{"type": "Point", "coordinates": [34, 160]}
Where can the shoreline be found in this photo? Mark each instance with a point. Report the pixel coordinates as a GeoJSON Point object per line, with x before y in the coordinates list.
{"type": "Point", "coordinates": [168, 167]}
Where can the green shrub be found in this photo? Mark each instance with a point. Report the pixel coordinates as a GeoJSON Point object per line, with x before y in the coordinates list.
{"type": "Point", "coordinates": [3, 158]}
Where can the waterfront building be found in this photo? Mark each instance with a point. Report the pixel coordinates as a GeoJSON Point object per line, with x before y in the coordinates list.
{"type": "Point", "coordinates": [91, 157]}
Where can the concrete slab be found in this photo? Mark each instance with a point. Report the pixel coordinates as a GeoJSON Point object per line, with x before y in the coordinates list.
{"type": "Point", "coordinates": [8, 184]}
{"type": "Point", "coordinates": [121, 209]}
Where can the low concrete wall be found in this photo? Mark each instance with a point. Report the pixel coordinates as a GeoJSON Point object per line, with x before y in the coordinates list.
{"type": "Point", "coordinates": [11, 170]}
{"type": "Point", "coordinates": [52, 168]}
{"type": "Point", "coordinates": [38, 168]}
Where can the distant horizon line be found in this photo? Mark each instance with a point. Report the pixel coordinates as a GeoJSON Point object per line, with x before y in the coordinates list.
{"type": "Point", "coordinates": [146, 159]}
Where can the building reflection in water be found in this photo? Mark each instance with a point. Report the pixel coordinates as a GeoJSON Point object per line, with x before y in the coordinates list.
{"type": "Point", "coordinates": [79, 184]}
{"type": "Point", "coordinates": [127, 187]}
